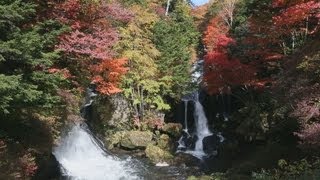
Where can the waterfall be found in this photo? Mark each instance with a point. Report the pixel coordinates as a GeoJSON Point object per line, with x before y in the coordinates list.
{"type": "Point", "coordinates": [186, 116]}
{"type": "Point", "coordinates": [201, 127]}
{"type": "Point", "coordinates": [201, 123]}
{"type": "Point", "coordinates": [82, 157]}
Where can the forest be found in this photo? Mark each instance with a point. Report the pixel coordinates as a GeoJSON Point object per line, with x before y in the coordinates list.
{"type": "Point", "coordinates": [226, 90]}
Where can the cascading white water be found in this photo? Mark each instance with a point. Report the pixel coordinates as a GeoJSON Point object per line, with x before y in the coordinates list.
{"type": "Point", "coordinates": [186, 116]}
{"type": "Point", "coordinates": [202, 129]}
{"type": "Point", "coordinates": [201, 125]}
{"type": "Point", "coordinates": [185, 143]}
{"type": "Point", "coordinates": [82, 157]}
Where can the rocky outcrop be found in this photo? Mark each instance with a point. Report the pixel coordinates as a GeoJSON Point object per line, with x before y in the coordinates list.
{"type": "Point", "coordinates": [164, 142]}
{"type": "Point", "coordinates": [156, 154]}
{"type": "Point", "coordinates": [130, 139]}
{"type": "Point", "coordinates": [112, 111]}
{"type": "Point", "coordinates": [173, 129]}
{"type": "Point", "coordinates": [136, 139]}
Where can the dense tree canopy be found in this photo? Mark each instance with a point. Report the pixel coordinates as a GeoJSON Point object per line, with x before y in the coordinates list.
{"type": "Point", "coordinates": [27, 54]}
{"type": "Point", "coordinates": [176, 39]}
{"type": "Point", "coordinates": [51, 50]}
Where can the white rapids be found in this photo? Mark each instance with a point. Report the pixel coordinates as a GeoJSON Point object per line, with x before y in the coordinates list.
{"type": "Point", "coordinates": [82, 157]}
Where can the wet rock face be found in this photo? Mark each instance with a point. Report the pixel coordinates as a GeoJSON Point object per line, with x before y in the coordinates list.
{"type": "Point", "coordinates": [112, 111]}
{"type": "Point", "coordinates": [121, 113]}
{"type": "Point", "coordinates": [49, 170]}
{"type": "Point", "coordinates": [136, 139]}
{"type": "Point", "coordinates": [211, 144]}
{"type": "Point", "coordinates": [189, 141]}
{"type": "Point", "coordinates": [186, 159]}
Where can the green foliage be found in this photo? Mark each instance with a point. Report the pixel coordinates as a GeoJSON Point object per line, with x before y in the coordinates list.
{"type": "Point", "coordinates": [311, 66]}
{"type": "Point", "coordinates": [7, 90]}
{"type": "Point", "coordinates": [131, 2]}
{"type": "Point", "coordinates": [175, 38]}
{"type": "Point", "coordinates": [142, 84]}
{"type": "Point", "coordinates": [159, 53]}
{"type": "Point", "coordinates": [26, 54]}
{"type": "Point", "coordinates": [297, 170]}
{"type": "Point", "coordinates": [12, 15]}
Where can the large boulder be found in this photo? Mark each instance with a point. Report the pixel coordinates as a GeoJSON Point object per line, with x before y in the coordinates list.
{"type": "Point", "coordinates": [136, 139]}
{"type": "Point", "coordinates": [156, 154]}
{"type": "Point", "coordinates": [112, 111]}
{"type": "Point", "coordinates": [186, 159]}
{"type": "Point", "coordinates": [173, 129]}
{"type": "Point", "coordinates": [210, 144]}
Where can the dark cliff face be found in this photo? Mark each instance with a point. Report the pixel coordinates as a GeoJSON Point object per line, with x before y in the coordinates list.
{"type": "Point", "coordinates": [49, 169]}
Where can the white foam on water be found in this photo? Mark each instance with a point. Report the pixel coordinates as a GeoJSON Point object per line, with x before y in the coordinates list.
{"type": "Point", "coordinates": [82, 158]}
{"type": "Point", "coordinates": [162, 164]}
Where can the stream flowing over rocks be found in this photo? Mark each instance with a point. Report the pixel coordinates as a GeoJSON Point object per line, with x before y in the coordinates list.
{"type": "Point", "coordinates": [82, 156]}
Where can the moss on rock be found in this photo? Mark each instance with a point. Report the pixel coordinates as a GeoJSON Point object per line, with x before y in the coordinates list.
{"type": "Point", "coordinates": [173, 129]}
{"type": "Point", "coordinates": [156, 154]}
{"type": "Point", "coordinates": [164, 142]}
{"type": "Point", "coordinates": [136, 139]}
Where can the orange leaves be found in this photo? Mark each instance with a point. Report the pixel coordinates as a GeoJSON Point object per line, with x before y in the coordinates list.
{"type": "Point", "coordinates": [108, 74]}
{"type": "Point", "coordinates": [215, 35]}
{"type": "Point", "coordinates": [91, 40]}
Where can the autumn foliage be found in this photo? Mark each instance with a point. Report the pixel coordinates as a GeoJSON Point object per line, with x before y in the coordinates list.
{"type": "Point", "coordinates": [92, 38]}
{"type": "Point", "coordinates": [280, 27]}
{"type": "Point", "coordinates": [222, 71]}
{"type": "Point", "coordinates": [111, 70]}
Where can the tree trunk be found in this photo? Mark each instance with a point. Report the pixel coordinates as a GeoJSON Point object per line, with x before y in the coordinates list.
{"type": "Point", "coordinates": [142, 103]}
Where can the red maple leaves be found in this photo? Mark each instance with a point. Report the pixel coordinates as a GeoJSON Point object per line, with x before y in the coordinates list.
{"type": "Point", "coordinates": [96, 45]}
{"type": "Point", "coordinates": [298, 14]}
{"type": "Point", "coordinates": [92, 37]}
{"type": "Point", "coordinates": [221, 70]}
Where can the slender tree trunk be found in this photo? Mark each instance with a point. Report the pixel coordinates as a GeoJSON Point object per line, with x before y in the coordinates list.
{"type": "Point", "coordinates": [139, 96]}
{"type": "Point", "coordinates": [293, 40]}
{"type": "Point", "coordinates": [142, 103]}
{"type": "Point", "coordinates": [307, 26]}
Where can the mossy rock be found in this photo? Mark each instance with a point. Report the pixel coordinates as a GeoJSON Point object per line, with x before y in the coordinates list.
{"type": "Point", "coordinates": [201, 178]}
{"type": "Point", "coordinates": [115, 139]}
{"type": "Point", "coordinates": [164, 142]}
{"type": "Point", "coordinates": [156, 154]}
{"type": "Point", "coordinates": [173, 129]}
{"type": "Point", "coordinates": [136, 139]}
